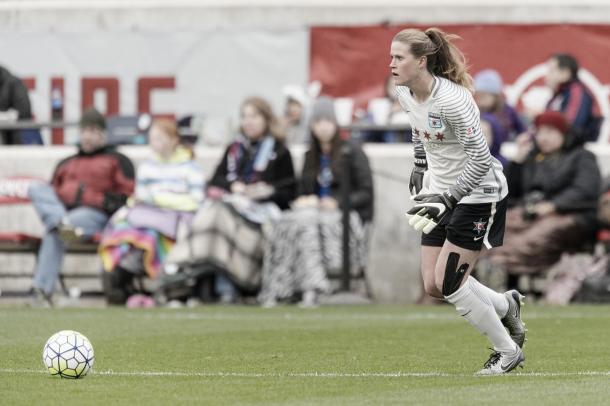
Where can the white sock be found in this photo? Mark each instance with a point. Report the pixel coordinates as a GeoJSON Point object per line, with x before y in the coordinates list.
{"type": "Point", "coordinates": [478, 310]}
{"type": "Point", "coordinates": [498, 300]}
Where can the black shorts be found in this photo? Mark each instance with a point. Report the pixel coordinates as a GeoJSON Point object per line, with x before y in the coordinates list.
{"type": "Point", "coordinates": [470, 226]}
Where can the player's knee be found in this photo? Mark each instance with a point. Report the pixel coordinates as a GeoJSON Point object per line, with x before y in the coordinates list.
{"type": "Point", "coordinates": [454, 274]}
{"type": "Point", "coordinates": [431, 288]}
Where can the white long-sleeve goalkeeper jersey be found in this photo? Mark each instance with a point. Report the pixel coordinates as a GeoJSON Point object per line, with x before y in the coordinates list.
{"type": "Point", "coordinates": [446, 129]}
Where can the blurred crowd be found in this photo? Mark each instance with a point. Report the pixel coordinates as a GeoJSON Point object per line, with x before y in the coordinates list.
{"type": "Point", "coordinates": [253, 231]}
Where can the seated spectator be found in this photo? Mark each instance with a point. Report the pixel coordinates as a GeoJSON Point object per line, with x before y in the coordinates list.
{"type": "Point", "coordinates": [604, 206]}
{"type": "Point", "coordinates": [85, 190]}
{"type": "Point", "coordinates": [254, 180]}
{"type": "Point", "coordinates": [571, 97]}
{"type": "Point", "coordinates": [308, 239]}
{"type": "Point", "coordinates": [585, 277]}
{"type": "Point", "coordinates": [169, 188]}
{"type": "Point", "coordinates": [15, 101]}
{"type": "Point", "coordinates": [553, 186]}
{"type": "Point", "coordinates": [495, 135]}
{"type": "Point", "coordinates": [489, 97]}
{"type": "Point", "coordinates": [294, 121]}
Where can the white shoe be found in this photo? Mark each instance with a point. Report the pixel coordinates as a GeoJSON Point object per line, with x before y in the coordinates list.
{"type": "Point", "coordinates": [174, 304]}
{"type": "Point", "coordinates": [310, 299]}
{"type": "Point", "coordinates": [69, 233]}
{"type": "Point", "coordinates": [502, 363]}
{"type": "Point", "coordinates": [269, 303]}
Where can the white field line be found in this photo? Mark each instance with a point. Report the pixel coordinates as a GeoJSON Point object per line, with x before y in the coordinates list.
{"type": "Point", "coordinates": [419, 316]}
{"type": "Point", "coordinates": [274, 315]}
{"type": "Point", "coordinates": [213, 374]}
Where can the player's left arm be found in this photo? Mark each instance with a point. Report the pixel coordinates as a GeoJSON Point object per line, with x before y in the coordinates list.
{"type": "Point", "coordinates": [462, 115]}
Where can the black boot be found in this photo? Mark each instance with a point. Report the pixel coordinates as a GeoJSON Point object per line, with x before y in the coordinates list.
{"type": "Point", "coordinates": [118, 285]}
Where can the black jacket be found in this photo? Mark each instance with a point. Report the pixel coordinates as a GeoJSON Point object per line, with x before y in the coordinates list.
{"type": "Point", "coordinates": [361, 186]}
{"type": "Point", "coordinates": [569, 179]}
{"type": "Point", "coordinates": [13, 95]}
{"type": "Point", "coordinates": [279, 174]}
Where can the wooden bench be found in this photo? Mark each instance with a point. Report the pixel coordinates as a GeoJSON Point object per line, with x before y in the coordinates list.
{"type": "Point", "coordinates": [23, 243]}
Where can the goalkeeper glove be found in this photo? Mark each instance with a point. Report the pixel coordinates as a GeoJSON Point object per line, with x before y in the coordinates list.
{"type": "Point", "coordinates": [417, 175]}
{"type": "Point", "coordinates": [430, 210]}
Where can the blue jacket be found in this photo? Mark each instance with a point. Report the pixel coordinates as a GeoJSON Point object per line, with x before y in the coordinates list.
{"type": "Point", "coordinates": [576, 103]}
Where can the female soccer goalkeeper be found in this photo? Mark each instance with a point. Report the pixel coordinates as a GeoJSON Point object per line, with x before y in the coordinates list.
{"type": "Point", "coordinates": [462, 206]}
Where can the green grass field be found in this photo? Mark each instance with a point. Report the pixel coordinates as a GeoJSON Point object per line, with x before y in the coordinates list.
{"type": "Point", "coordinates": [373, 355]}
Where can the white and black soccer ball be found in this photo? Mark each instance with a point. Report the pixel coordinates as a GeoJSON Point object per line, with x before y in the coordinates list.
{"type": "Point", "coordinates": [68, 354]}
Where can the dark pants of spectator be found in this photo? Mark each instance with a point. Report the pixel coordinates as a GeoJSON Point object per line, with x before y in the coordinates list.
{"type": "Point", "coordinates": [533, 246]}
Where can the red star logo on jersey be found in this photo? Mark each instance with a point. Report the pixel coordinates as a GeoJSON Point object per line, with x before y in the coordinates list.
{"type": "Point", "coordinates": [440, 136]}
{"type": "Point", "coordinates": [415, 131]}
{"type": "Point", "coordinates": [426, 135]}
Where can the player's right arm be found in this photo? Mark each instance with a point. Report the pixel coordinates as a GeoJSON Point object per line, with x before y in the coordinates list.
{"type": "Point", "coordinates": [421, 164]}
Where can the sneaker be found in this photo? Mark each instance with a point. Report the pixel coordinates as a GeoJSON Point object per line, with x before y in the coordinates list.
{"type": "Point", "coordinates": [512, 321]}
{"type": "Point", "coordinates": [39, 299]}
{"type": "Point", "coordinates": [174, 304]}
{"type": "Point", "coordinates": [68, 233]}
{"type": "Point", "coordinates": [227, 299]}
{"type": "Point", "coordinates": [269, 303]}
{"type": "Point", "coordinates": [310, 299]}
{"type": "Point", "coordinates": [140, 301]}
{"type": "Point", "coordinates": [500, 363]}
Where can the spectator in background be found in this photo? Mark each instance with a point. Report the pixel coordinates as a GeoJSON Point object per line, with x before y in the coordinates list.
{"type": "Point", "coordinates": [85, 190]}
{"type": "Point", "coordinates": [394, 115]}
{"type": "Point", "coordinates": [254, 180]}
{"type": "Point", "coordinates": [603, 219]}
{"type": "Point", "coordinates": [308, 239]}
{"type": "Point", "coordinates": [571, 97]}
{"type": "Point", "coordinates": [15, 103]}
{"type": "Point", "coordinates": [495, 135]}
{"type": "Point", "coordinates": [294, 121]}
{"type": "Point", "coordinates": [169, 189]}
{"type": "Point", "coordinates": [553, 185]}
{"type": "Point", "coordinates": [490, 99]}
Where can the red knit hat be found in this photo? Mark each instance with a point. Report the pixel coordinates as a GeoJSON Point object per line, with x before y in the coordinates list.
{"type": "Point", "coordinates": [552, 119]}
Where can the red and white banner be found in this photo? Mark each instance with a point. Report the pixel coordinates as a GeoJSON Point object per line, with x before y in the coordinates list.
{"type": "Point", "coordinates": [353, 61]}
{"type": "Point", "coordinates": [165, 73]}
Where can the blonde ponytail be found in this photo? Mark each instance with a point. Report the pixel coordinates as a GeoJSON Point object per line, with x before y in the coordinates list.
{"type": "Point", "coordinates": [444, 59]}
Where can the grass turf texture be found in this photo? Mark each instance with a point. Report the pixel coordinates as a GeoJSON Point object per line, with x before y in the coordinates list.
{"type": "Point", "coordinates": [329, 356]}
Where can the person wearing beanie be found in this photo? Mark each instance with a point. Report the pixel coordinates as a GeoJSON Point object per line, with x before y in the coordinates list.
{"type": "Point", "coordinates": [294, 120]}
{"type": "Point", "coordinates": [553, 187]}
{"type": "Point", "coordinates": [552, 119]}
{"type": "Point", "coordinates": [323, 109]}
{"type": "Point", "coordinates": [306, 242]}
{"type": "Point", "coordinates": [92, 118]}
{"type": "Point", "coordinates": [488, 81]}
{"type": "Point", "coordinates": [85, 189]}
{"type": "Point", "coordinates": [489, 96]}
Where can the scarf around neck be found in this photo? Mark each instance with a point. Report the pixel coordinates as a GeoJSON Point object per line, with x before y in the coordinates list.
{"type": "Point", "coordinates": [247, 160]}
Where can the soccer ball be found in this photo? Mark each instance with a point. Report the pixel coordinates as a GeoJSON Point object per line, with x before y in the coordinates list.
{"type": "Point", "coordinates": [68, 354]}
